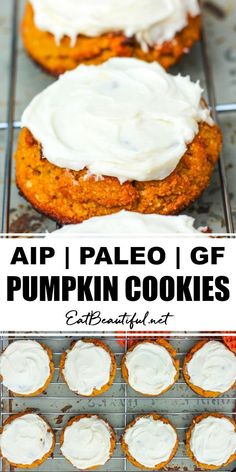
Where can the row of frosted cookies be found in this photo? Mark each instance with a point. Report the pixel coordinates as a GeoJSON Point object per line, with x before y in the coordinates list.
{"type": "Point", "coordinates": [116, 131]}
{"type": "Point", "coordinates": [88, 367]}
{"type": "Point", "coordinates": [88, 441]}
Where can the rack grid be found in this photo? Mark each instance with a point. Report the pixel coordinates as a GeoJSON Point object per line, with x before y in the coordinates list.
{"type": "Point", "coordinates": [11, 124]}
{"type": "Point", "coordinates": [119, 405]}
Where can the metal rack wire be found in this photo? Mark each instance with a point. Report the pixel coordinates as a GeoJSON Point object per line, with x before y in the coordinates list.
{"type": "Point", "coordinates": [10, 124]}
{"type": "Point", "coordinates": [119, 405]}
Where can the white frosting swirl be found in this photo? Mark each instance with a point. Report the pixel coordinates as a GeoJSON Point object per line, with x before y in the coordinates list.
{"type": "Point", "coordinates": [213, 440]}
{"type": "Point", "coordinates": [150, 368]}
{"type": "Point", "coordinates": [124, 118]}
{"type": "Point", "coordinates": [127, 222]}
{"type": "Point", "coordinates": [151, 22]}
{"type": "Point", "coordinates": [150, 441]}
{"type": "Point", "coordinates": [87, 367]}
{"type": "Point", "coordinates": [87, 442]}
{"type": "Point", "coordinates": [26, 439]}
{"type": "Point", "coordinates": [213, 367]}
{"type": "Point", "coordinates": [24, 367]}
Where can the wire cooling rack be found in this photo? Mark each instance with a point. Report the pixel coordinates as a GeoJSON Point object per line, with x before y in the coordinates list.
{"type": "Point", "coordinates": [119, 406]}
{"type": "Point", "coordinates": [10, 124]}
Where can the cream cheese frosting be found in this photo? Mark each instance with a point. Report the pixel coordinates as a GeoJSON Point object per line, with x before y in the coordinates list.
{"type": "Point", "coordinates": [150, 441]}
{"type": "Point", "coordinates": [124, 118]}
{"type": "Point", "coordinates": [26, 439]}
{"type": "Point", "coordinates": [24, 367]}
{"type": "Point", "coordinates": [151, 22]}
{"type": "Point", "coordinates": [128, 222]}
{"type": "Point", "coordinates": [87, 442]}
{"type": "Point", "coordinates": [213, 440]}
{"type": "Point", "coordinates": [87, 367]}
{"type": "Point", "coordinates": [150, 368]}
{"type": "Point", "coordinates": [213, 367]}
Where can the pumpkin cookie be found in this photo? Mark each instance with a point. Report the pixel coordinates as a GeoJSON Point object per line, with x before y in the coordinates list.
{"type": "Point", "coordinates": [150, 367]}
{"type": "Point", "coordinates": [26, 440]}
{"type": "Point", "coordinates": [87, 441]}
{"type": "Point", "coordinates": [150, 442]}
{"type": "Point", "coordinates": [211, 441]}
{"type": "Point", "coordinates": [210, 368]}
{"type": "Point", "coordinates": [26, 367]}
{"type": "Point", "coordinates": [88, 367]}
{"type": "Point", "coordinates": [60, 35]}
{"type": "Point", "coordinates": [108, 158]}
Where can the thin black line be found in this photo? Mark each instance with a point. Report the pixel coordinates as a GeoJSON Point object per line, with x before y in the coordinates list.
{"type": "Point", "coordinates": [177, 257]}
{"type": "Point", "coordinates": [10, 118]}
{"type": "Point", "coordinates": [67, 264]}
{"type": "Point", "coordinates": [212, 102]}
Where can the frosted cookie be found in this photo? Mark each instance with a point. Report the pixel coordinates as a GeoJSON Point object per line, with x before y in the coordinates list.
{"type": "Point", "coordinates": [210, 368]}
{"type": "Point", "coordinates": [140, 140]}
{"type": "Point", "coordinates": [26, 367]}
{"type": "Point", "coordinates": [211, 441]}
{"type": "Point", "coordinates": [26, 440]}
{"type": "Point", "coordinates": [150, 367]}
{"type": "Point", "coordinates": [150, 442]}
{"type": "Point", "coordinates": [60, 35]}
{"type": "Point", "coordinates": [87, 441]}
{"type": "Point", "coordinates": [128, 222]}
{"type": "Point", "coordinates": [88, 367]}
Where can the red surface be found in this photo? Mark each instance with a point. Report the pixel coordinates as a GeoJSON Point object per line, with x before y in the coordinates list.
{"type": "Point", "coordinates": [230, 342]}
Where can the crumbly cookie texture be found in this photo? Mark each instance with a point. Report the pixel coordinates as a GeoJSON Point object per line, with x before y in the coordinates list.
{"type": "Point", "coordinates": [72, 196]}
